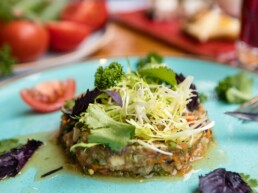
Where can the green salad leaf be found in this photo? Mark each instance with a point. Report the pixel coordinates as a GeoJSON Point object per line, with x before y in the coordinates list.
{"type": "Point", "coordinates": [154, 71]}
{"type": "Point", "coordinates": [105, 130]}
{"type": "Point", "coordinates": [160, 73]}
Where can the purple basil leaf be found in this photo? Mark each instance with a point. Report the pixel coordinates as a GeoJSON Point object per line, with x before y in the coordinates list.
{"type": "Point", "coordinates": [115, 96]}
{"type": "Point", "coordinates": [222, 181]}
{"type": "Point", "coordinates": [11, 162]}
{"type": "Point", "coordinates": [193, 104]}
{"type": "Point", "coordinates": [82, 103]}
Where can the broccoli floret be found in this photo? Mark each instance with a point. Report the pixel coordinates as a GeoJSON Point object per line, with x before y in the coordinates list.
{"type": "Point", "coordinates": [109, 76]}
{"type": "Point", "coordinates": [235, 89]}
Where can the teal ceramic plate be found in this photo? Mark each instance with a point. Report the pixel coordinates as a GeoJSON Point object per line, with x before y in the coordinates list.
{"type": "Point", "coordinates": [236, 149]}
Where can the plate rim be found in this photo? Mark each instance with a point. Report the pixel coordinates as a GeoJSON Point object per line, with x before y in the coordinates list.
{"type": "Point", "coordinates": [25, 74]}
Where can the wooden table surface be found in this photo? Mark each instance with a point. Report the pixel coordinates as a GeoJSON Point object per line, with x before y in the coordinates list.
{"type": "Point", "coordinates": [125, 41]}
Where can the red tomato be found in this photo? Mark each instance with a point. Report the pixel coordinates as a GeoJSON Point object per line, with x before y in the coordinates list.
{"type": "Point", "coordinates": [28, 40]}
{"type": "Point", "coordinates": [91, 13]}
{"type": "Point", "coordinates": [65, 35]}
{"type": "Point", "coordinates": [49, 96]}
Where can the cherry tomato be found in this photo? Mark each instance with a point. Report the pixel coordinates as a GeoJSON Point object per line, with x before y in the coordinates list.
{"type": "Point", "coordinates": [65, 35]}
{"type": "Point", "coordinates": [49, 96]}
{"type": "Point", "coordinates": [91, 13]}
{"type": "Point", "coordinates": [28, 40]}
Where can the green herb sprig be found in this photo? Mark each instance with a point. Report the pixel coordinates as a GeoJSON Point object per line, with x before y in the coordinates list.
{"type": "Point", "coordinates": [253, 183]}
{"type": "Point", "coordinates": [6, 61]}
{"type": "Point", "coordinates": [6, 11]}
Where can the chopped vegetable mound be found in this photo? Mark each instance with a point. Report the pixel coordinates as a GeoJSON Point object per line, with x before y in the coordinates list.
{"type": "Point", "coordinates": [11, 162]}
{"type": "Point", "coordinates": [222, 181]}
{"type": "Point", "coordinates": [235, 89]}
{"type": "Point", "coordinates": [148, 123]}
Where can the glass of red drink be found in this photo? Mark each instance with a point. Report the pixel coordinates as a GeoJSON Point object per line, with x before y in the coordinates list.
{"type": "Point", "coordinates": [247, 46]}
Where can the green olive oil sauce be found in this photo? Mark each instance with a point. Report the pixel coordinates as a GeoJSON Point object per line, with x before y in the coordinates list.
{"type": "Point", "coordinates": [213, 158]}
{"type": "Point", "coordinates": [48, 157]}
{"type": "Point", "coordinates": [51, 156]}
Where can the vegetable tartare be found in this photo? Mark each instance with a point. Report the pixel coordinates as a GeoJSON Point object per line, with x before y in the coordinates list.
{"type": "Point", "coordinates": [140, 123]}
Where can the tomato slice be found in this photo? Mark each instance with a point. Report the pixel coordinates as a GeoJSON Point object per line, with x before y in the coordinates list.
{"type": "Point", "coordinates": [91, 13]}
{"type": "Point", "coordinates": [49, 96]}
{"type": "Point", "coordinates": [65, 35]}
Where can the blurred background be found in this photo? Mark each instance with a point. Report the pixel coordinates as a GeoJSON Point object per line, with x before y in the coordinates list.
{"type": "Point", "coordinates": [39, 34]}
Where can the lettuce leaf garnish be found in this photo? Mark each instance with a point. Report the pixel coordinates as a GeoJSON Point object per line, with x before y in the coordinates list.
{"type": "Point", "coordinates": [159, 73]}
{"type": "Point", "coordinates": [154, 71]}
{"type": "Point", "coordinates": [105, 130]}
